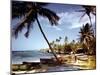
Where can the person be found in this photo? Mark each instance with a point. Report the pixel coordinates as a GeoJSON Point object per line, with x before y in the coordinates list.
{"type": "Point", "coordinates": [73, 57]}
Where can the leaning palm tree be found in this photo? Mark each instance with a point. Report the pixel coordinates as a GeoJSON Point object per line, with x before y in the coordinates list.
{"type": "Point", "coordinates": [29, 12]}
{"type": "Point", "coordinates": [86, 35]}
{"type": "Point", "coordinates": [87, 11]}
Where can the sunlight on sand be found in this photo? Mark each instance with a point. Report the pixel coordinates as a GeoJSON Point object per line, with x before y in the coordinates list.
{"type": "Point", "coordinates": [85, 62]}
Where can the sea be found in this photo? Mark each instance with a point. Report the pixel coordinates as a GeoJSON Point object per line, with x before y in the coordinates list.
{"type": "Point", "coordinates": [17, 57]}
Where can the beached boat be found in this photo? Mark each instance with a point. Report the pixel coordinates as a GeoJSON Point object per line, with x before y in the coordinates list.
{"type": "Point", "coordinates": [82, 57]}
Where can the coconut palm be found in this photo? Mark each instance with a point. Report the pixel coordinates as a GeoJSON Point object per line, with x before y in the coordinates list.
{"type": "Point", "coordinates": [58, 44]}
{"type": "Point", "coordinates": [65, 43]}
{"type": "Point", "coordinates": [87, 11]}
{"type": "Point", "coordinates": [86, 35]}
{"type": "Point", "coordinates": [66, 39]}
{"type": "Point", "coordinates": [60, 37]}
{"type": "Point", "coordinates": [29, 12]}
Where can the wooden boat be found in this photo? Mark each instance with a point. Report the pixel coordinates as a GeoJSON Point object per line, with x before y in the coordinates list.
{"type": "Point", "coordinates": [82, 57]}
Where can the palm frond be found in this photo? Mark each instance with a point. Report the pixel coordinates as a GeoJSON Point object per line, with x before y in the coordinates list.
{"type": "Point", "coordinates": [19, 9]}
{"type": "Point", "coordinates": [86, 33]}
{"type": "Point", "coordinates": [53, 18]}
{"type": "Point", "coordinates": [80, 10]}
{"type": "Point", "coordinates": [18, 28]}
{"type": "Point", "coordinates": [41, 4]}
{"type": "Point", "coordinates": [82, 16]}
{"type": "Point", "coordinates": [30, 10]}
{"type": "Point", "coordinates": [29, 18]}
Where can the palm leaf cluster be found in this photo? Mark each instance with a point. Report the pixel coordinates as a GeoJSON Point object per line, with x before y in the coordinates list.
{"type": "Point", "coordinates": [28, 12]}
{"type": "Point", "coordinates": [86, 34]}
{"type": "Point", "coordinates": [87, 11]}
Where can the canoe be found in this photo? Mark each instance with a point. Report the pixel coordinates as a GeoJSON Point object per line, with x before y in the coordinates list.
{"type": "Point", "coordinates": [82, 58]}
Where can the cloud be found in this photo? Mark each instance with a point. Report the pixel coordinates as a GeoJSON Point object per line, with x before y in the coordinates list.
{"type": "Point", "coordinates": [55, 27]}
{"type": "Point", "coordinates": [70, 20]}
{"type": "Point", "coordinates": [76, 25]}
{"type": "Point", "coordinates": [47, 24]}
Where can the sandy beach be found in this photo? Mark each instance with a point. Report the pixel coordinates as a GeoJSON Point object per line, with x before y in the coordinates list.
{"type": "Point", "coordinates": [68, 65]}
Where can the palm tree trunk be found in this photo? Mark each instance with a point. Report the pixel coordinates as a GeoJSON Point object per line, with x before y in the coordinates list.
{"type": "Point", "coordinates": [95, 27]}
{"type": "Point", "coordinates": [90, 20]}
{"type": "Point", "coordinates": [46, 39]}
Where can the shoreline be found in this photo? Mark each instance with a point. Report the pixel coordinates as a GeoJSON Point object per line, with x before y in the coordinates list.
{"type": "Point", "coordinates": [88, 64]}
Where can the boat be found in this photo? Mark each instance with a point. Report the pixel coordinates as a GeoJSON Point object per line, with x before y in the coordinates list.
{"type": "Point", "coordinates": [82, 57]}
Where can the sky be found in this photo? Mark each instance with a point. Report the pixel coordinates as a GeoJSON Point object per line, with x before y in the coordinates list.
{"type": "Point", "coordinates": [68, 25]}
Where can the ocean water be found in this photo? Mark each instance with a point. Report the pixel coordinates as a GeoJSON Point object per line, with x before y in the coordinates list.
{"type": "Point", "coordinates": [21, 56]}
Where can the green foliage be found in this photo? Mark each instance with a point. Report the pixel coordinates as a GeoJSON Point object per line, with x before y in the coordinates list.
{"type": "Point", "coordinates": [68, 47]}
{"type": "Point", "coordinates": [87, 38]}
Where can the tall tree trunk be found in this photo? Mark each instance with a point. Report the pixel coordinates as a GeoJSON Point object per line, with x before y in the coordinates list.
{"type": "Point", "coordinates": [95, 27]}
{"type": "Point", "coordinates": [46, 40]}
{"type": "Point", "coordinates": [90, 20]}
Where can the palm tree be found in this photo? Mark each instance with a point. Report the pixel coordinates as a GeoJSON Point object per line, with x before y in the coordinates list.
{"type": "Point", "coordinates": [65, 43]}
{"type": "Point", "coordinates": [52, 44]}
{"type": "Point", "coordinates": [29, 13]}
{"type": "Point", "coordinates": [58, 44]}
{"type": "Point", "coordinates": [86, 35]}
{"type": "Point", "coordinates": [66, 39]}
{"type": "Point", "coordinates": [60, 37]}
{"type": "Point", "coordinates": [87, 11]}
